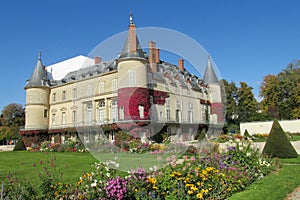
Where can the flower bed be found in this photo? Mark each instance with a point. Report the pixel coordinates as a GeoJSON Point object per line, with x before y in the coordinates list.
{"type": "Point", "coordinates": [216, 176]}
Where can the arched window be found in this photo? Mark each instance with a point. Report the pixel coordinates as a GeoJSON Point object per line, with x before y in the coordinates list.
{"type": "Point", "coordinates": [101, 112]}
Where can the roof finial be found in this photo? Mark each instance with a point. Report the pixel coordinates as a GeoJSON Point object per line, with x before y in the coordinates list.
{"type": "Point", "coordinates": [208, 58]}
{"type": "Point", "coordinates": [39, 55]}
{"type": "Point", "coordinates": [130, 18]}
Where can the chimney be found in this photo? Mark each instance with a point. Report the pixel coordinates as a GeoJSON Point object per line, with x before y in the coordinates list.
{"type": "Point", "coordinates": [97, 60]}
{"type": "Point", "coordinates": [132, 35]}
{"type": "Point", "coordinates": [157, 58]}
{"type": "Point", "coordinates": [152, 56]}
{"type": "Point", "coordinates": [181, 64]}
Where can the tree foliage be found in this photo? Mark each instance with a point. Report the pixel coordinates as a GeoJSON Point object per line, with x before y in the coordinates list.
{"type": "Point", "coordinates": [13, 115]}
{"type": "Point", "coordinates": [281, 93]}
{"type": "Point", "coordinates": [247, 104]}
{"type": "Point", "coordinates": [230, 96]}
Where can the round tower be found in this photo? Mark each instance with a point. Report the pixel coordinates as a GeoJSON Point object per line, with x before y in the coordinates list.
{"type": "Point", "coordinates": [37, 99]}
{"type": "Point", "coordinates": [133, 93]}
{"type": "Point", "coordinates": [215, 96]}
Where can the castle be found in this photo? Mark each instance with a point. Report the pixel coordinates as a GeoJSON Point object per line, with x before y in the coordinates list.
{"type": "Point", "coordinates": [136, 92]}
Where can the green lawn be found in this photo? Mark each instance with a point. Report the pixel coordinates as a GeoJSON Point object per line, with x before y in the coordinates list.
{"type": "Point", "coordinates": [27, 165]}
{"type": "Point", "coordinates": [275, 186]}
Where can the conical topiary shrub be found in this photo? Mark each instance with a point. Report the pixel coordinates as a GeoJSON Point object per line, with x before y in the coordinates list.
{"type": "Point", "coordinates": [278, 144]}
{"type": "Point", "coordinates": [20, 146]}
{"type": "Point", "coordinates": [247, 136]}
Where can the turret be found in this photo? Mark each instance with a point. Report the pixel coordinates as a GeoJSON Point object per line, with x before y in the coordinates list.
{"type": "Point", "coordinates": [132, 78]}
{"type": "Point", "coordinates": [37, 98]}
{"type": "Point", "coordinates": [216, 105]}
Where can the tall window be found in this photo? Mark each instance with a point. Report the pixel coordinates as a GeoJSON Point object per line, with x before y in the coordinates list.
{"type": "Point", "coordinates": [121, 112]}
{"type": "Point", "coordinates": [63, 118]}
{"type": "Point", "coordinates": [114, 110]}
{"type": "Point", "coordinates": [45, 113]}
{"type": "Point", "coordinates": [101, 87]}
{"type": "Point", "coordinates": [131, 77]}
{"type": "Point", "coordinates": [74, 116]}
{"type": "Point", "coordinates": [114, 84]}
{"type": "Point", "coordinates": [178, 111]}
{"type": "Point", "coordinates": [74, 93]}
{"type": "Point", "coordinates": [63, 95]}
{"type": "Point", "coordinates": [168, 112]}
{"type": "Point", "coordinates": [54, 97]}
{"type": "Point", "coordinates": [53, 119]}
{"type": "Point", "coordinates": [89, 113]}
{"type": "Point", "coordinates": [141, 111]}
{"type": "Point", "coordinates": [190, 112]}
{"type": "Point", "coordinates": [101, 112]}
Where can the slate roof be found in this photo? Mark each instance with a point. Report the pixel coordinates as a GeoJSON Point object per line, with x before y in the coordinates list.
{"type": "Point", "coordinates": [139, 53]}
{"type": "Point", "coordinates": [210, 76]}
{"type": "Point", "coordinates": [39, 76]}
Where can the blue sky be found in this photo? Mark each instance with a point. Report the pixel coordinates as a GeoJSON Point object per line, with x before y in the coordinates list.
{"type": "Point", "coordinates": [246, 39]}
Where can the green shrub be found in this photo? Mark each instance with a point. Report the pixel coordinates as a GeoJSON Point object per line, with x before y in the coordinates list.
{"type": "Point", "coordinates": [278, 144]}
{"type": "Point", "coordinates": [247, 135]}
{"type": "Point", "coordinates": [20, 146]}
{"type": "Point", "coordinates": [202, 135]}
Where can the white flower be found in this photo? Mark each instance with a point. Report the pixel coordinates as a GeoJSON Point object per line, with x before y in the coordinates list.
{"type": "Point", "coordinates": [117, 165]}
{"type": "Point", "coordinates": [94, 184]}
{"type": "Point", "coordinates": [248, 154]}
{"type": "Point", "coordinates": [108, 174]}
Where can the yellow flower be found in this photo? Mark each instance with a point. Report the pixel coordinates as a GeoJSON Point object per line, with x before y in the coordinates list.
{"type": "Point", "coordinates": [190, 192]}
{"type": "Point", "coordinates": [152, 180]}
{"type": "Point", "coordinates": [79, 182]}
{"type": "Point", "coordinates": [199, 196]}
{"type": "Point", "coordinates": [194, 188]}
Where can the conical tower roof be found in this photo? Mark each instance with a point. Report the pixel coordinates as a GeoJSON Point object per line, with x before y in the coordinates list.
{"type": "Point", "coordinates": [39, 76]}
{"type": "Point", "coordinates": [132, 47]}
{"type": "Point", "coordinates": [210, 76]}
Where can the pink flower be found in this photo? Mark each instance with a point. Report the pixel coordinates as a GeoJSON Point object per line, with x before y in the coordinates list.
{"type": "Point", "coordinates": [193, 159]}
{"type": "Point", "coordinates": [185, 158]}
{"type": "Point", "coordinates": [159, 158]}
{"type": "Point", "coordinates": [168, 159]}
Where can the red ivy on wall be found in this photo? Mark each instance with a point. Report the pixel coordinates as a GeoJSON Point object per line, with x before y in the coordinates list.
{"type": "Point", "coordinates": [131, 98]}
{"type": "Point", "coordinates": [218, 109]}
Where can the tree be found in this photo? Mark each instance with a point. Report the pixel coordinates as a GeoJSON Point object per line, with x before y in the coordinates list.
{"type": "Point", "coordinates": [13, 115]}
{"type": "Point", "coordinates": [270, 91]}
{"type": "Point", "coordinates": [281, 93]}
{"type": "Point", "coordinates": [296, 108]}
{"type": "Point", "coordinates": [231, 101]}
{"type": "Point", "coordinates": [247, 104]}
{"type": "Point", "coordinates": [278, 144]}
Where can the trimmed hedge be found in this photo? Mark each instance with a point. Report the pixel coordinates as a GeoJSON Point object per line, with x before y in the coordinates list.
{"type": "Point", "coordinates": [20, 146]}
{"type": "Point", "coordinates": [247, 135]}
{"type": "Point", "coordinates": [278, 144]}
